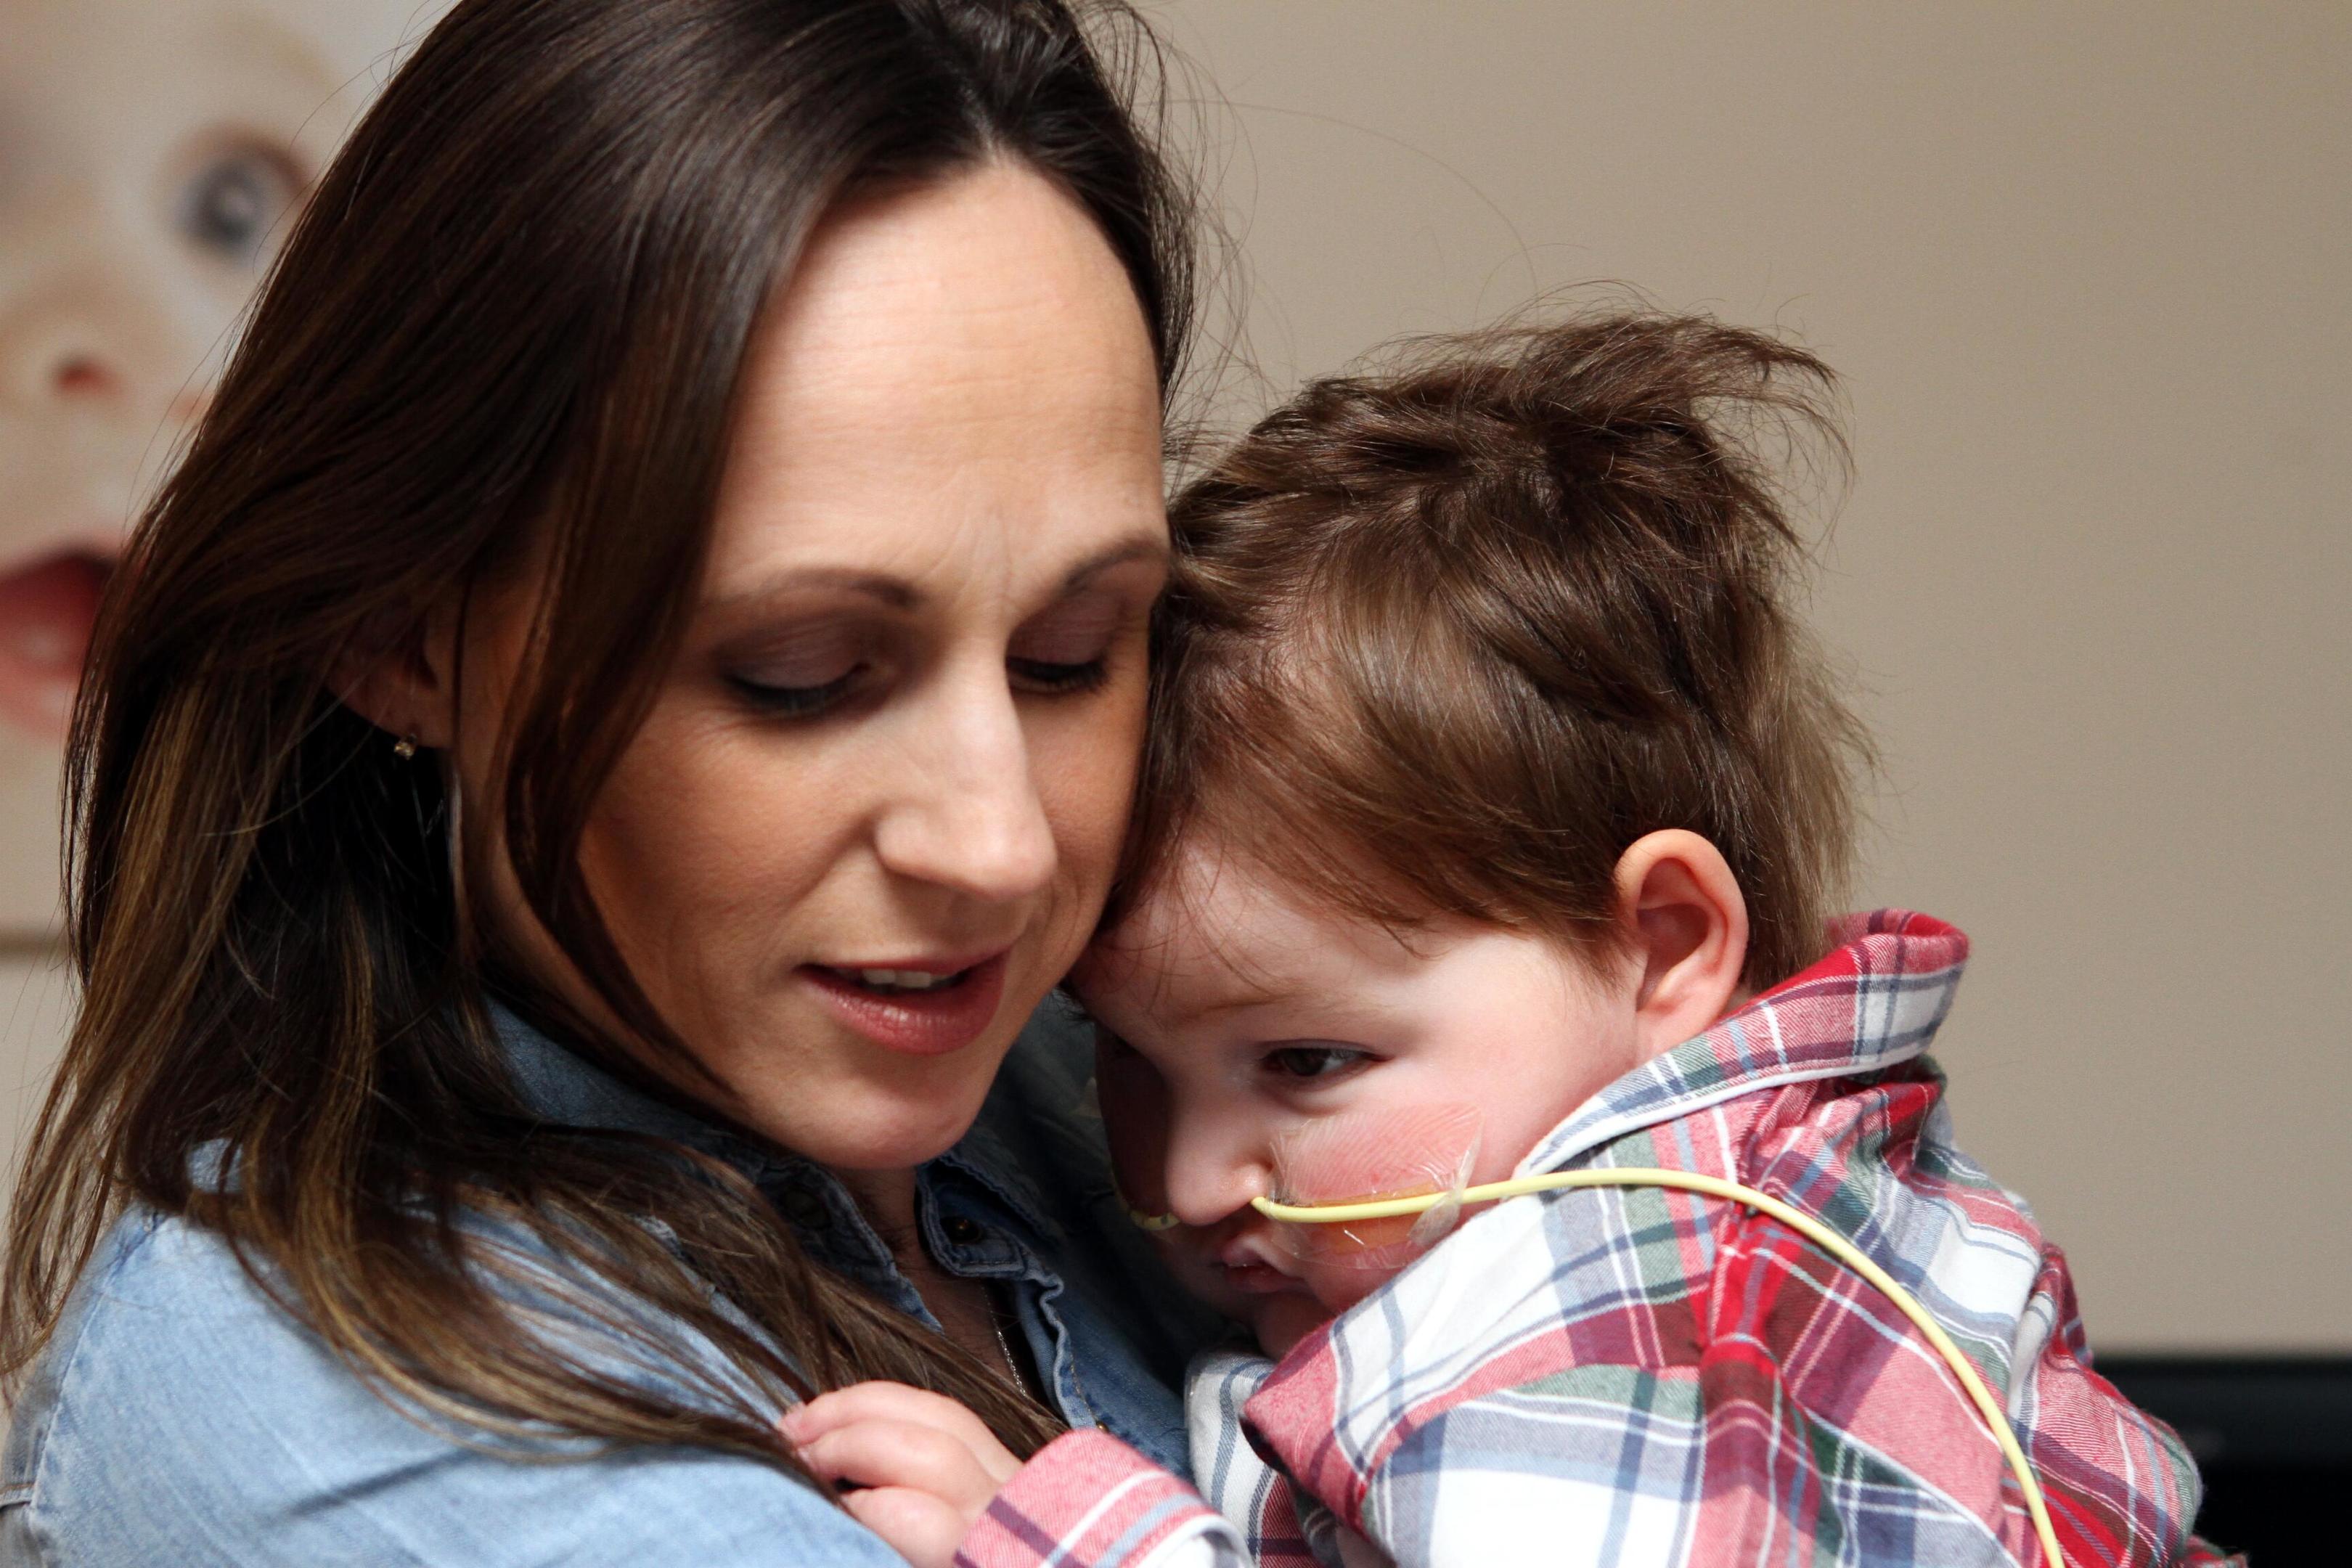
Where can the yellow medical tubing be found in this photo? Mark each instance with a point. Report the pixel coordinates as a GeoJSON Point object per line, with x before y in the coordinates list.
{"type": "Point", "coordinates": [1804, 1224]}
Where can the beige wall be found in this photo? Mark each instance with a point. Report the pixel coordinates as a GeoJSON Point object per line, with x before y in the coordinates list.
{"type": "Point", "coordinates": [35, 1007]}
{"type": "Point", "coordinates": [2084, 270]}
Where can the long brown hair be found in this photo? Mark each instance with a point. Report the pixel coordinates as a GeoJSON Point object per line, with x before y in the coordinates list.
{"type": "Point", "coordinates": [516, 308]}
{"type": "Point", "coordinates": [1482, 616]}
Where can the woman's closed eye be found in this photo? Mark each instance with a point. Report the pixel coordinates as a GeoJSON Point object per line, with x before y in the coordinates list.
{"type": "Point", "coordinates": [813, 670]}
{"type": "Point", "coordinates": [794, 699]}
{"type": "Point", "coordinates": [806, 674]}
{"type": "Point", "coordinates": [799, 701]}
{"type": "Point", "coordinates": [1314, 1061]}
{"type": "Point", "coordinates": [1051, 678]}
{"type": "Point", "coordinates": [1067, 648]}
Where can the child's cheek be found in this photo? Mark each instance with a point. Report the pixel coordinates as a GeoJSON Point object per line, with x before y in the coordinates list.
{"type": "Point", "coordinates": [1281, 1321]}
{"type": "Point", "coordinates": [1339, 1286]}
{"type": "Point", "coordinates": [1373, 1247]}
{"type": "Point", "coordinates": [1184, 1254]}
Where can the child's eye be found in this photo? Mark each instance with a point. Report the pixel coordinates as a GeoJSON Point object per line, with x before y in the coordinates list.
{"type": "Point", "coordinates": [1308, 1064]}
{"type": "Point", "coordinates": [234, 203]}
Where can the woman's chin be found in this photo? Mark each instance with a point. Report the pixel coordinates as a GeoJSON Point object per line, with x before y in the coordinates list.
{"type": "Point", "coordinates": [808, 1079]}
{"type": "Point", "coordinates": [891, 1120]}
{"type": "Point", "coordinates": [922, 1137]}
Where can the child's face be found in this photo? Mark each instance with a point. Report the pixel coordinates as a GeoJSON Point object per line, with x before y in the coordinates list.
{"type": "Point", "coordinates": [1235, 1018]}
{"type": "Point", "coordinates": [150, 153]}
{"type": "Point", "coordinates": [148, 156]}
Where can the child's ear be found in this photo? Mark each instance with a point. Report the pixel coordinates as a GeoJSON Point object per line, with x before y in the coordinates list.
{"type": "Point", "coordinates": [1682, 913]}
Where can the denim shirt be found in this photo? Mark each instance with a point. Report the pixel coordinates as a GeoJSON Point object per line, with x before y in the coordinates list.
{"type": "Point", "coordinates": [178, 1416]}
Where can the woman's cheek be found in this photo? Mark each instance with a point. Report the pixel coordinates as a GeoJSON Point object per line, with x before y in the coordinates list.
{"type": "Point", "coordinates": [1084, 770]}
{"type": "Point", "coordinates": [701, 870]}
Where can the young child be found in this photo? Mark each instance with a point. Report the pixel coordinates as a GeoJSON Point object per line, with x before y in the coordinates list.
{"type": "Point", "coordinates": [1495, 799]}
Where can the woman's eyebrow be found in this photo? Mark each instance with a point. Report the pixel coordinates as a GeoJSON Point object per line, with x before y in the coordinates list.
{"type": "Point", "coordinates": [1141, 547]}
{"type": "Point", "coordinates": [898, 593]}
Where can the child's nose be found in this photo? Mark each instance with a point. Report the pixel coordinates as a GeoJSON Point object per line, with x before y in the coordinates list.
{"type": "Point", "coordinates": [1209, 1185]}
{"type": "Point", "coordinates": [59, 361]}
{"type": "Point", "coordinates": [79, 355]}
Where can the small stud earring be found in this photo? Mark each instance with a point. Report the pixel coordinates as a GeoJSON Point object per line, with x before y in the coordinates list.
{"type": "Point", "coordinates": [405, 748]}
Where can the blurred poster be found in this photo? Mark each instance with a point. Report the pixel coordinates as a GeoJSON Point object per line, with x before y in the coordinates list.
{"type": "Point", "coordinates": [150, 152]}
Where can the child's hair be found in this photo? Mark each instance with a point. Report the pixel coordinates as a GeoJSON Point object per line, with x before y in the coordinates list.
{"type": "Point", "coordinates": [1447, 639]}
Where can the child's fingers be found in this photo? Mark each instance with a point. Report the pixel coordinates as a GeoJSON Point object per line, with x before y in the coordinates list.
{"type": "Point", "coordinates": [919, 1527]}
{"type": "Point", "coordinates": [880, 1401]}
{"type": "Point", "coordinates": [902, 1453]}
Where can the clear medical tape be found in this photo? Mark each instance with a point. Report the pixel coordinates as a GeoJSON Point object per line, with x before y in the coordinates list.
{"type": "Point", "coordinates": [1424, 1153]}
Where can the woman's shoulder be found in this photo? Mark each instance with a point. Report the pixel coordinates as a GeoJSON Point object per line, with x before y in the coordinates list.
{"type": "Point", "coordinates": [158, 1298]}
{"type": "Point", "coordinates": [168, 1363]}
{"type": "Point", "coordinates": [181, 1415]}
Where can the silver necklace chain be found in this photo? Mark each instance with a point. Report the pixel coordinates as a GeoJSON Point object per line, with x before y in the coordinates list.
{"type": "Point", "coordinates": [996, 1315]}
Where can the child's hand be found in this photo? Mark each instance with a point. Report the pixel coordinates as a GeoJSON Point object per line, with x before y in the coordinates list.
{"type": "Point", "coordinates": [927, 1468]}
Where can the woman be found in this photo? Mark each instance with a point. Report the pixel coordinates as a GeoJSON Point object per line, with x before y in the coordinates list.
{"type": "Point", "coordinates": [627, 705]}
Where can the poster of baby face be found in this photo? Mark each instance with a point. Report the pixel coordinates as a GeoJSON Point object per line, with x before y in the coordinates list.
{"type": "Point", "coordinates": [150, 154]}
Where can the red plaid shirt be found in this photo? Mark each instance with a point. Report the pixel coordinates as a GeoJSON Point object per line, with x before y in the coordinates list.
{"type": "Point", "coordinates": [1640, 1376]}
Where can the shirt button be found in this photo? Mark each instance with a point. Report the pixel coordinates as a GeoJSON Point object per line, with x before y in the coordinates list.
{"type": "Point", "coordinates": [963, 1232]}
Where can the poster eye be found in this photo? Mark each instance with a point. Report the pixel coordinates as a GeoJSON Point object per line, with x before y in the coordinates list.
{"type": "Point", "coordinates": [232, 204]}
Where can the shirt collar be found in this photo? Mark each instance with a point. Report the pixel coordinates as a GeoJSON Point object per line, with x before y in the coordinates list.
{"type": "Point", "coordinates": [560, 1086]}
{"type": "Point", "coordinates": [1874, 1002]}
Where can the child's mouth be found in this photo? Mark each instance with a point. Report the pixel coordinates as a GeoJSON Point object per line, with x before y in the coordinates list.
{"type": "Point", "coordinates": [46, 611]}
{"type": "Point", "coordinates": [1242, 1265]}
{"type": "Point", "coordinates": [1257, 1279]}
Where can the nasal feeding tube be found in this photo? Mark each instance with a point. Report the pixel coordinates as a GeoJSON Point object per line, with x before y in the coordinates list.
{"type": "Point", "coordinates": [1416, 1165]}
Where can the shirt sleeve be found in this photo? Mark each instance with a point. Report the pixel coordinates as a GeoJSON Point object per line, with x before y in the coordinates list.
{"type": "Point", "coordinates": [187, 1421]}
{"type": "Point", "coordinates": [1088, 1500]}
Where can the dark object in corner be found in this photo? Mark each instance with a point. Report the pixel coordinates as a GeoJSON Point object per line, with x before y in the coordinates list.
{"type": "Point", "coordinates": [2272, 1436]}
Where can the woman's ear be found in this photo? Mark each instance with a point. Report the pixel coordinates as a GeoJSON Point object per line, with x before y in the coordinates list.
{"type": "Point", "coordinates": [402, 680]}
{"type": "Point", "coordinates": [1682, 913]}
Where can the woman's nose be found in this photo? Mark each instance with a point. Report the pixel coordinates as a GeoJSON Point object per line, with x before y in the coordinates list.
{"type": "Point", "coordinates": [969, 816]}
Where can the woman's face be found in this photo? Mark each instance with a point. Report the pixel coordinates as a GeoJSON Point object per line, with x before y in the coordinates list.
{"type": "Point", "coordinates": [873, 812]}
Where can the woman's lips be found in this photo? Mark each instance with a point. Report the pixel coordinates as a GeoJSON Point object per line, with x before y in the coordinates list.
{"type": "Point", "coordinates": [919, 1023]}
{"type": "Point", "coordinates": [46, 611]}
